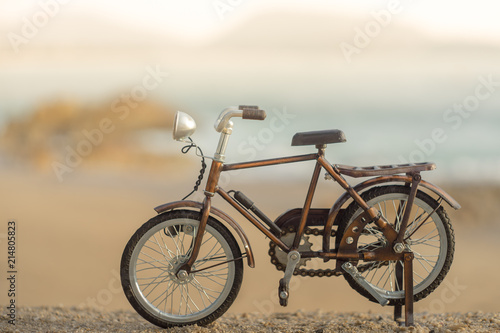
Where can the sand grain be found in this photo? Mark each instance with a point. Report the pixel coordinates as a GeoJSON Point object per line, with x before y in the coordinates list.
{"type": "Point", "coordinates": [58, 319]}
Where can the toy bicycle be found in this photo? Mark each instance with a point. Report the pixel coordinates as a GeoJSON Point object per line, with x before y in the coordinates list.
{"type": "Point", "coordinates": [389, 236]}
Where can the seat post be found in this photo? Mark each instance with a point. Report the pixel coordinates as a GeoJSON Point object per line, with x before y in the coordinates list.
{"type": "Point", "coordinates": [321, 149]}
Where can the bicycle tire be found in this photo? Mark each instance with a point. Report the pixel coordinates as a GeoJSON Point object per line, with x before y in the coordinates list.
{"type": "Point", "coordinates": [153, 241]}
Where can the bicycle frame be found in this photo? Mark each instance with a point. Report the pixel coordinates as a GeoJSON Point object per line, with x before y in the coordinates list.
{"type": "Point", "coordinates": [343, 252]}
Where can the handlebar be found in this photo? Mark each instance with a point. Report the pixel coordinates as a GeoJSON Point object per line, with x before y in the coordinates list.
{"type": "Point", "coordinates": [223, 122]}
{"type": "Point", "coordinates": [252, 112]}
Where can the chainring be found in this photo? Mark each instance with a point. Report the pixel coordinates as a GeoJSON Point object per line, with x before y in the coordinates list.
{"type": "Point", "coordinates": [288, 238]}
{"type": "Point", "coordinates": [279, 258]}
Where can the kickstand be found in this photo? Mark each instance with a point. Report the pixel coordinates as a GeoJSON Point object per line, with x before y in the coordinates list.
{"type": "Point", "coordinates": [407, 279]}
{"type": "Point", "coordinates": [398, 308]}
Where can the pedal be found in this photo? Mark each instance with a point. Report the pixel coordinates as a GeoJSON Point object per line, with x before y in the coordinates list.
{"type": "Point", "coordinates": [284, 286]}
{"type": "Point", "coordinates": [353, 271]}
{"type": "Point", "coordinates": [283, 293]}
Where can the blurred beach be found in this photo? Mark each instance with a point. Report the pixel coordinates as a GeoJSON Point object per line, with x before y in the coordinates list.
{"type": "Point", "coordinates": [71, 236]}
{"type": "Point", "coordinates": [86, 150]}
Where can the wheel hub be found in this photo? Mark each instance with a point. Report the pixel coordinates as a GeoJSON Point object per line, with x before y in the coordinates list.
{"type": "Point", "coordinates": [182, 276]}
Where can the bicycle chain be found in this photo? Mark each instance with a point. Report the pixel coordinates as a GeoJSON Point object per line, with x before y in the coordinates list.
{"type": "Point", "coordinates": [313, 272]}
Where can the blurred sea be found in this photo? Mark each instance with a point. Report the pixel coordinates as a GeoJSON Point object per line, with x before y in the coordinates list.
{"type": "Point", "coordinates": [384, 133]}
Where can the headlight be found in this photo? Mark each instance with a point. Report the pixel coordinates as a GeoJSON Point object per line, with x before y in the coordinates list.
{"type": "Point", "coordinates": [184, 126]}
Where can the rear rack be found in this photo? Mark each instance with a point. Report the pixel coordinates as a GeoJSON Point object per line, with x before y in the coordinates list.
{"type": "Point", "coordinates": [383, 170]}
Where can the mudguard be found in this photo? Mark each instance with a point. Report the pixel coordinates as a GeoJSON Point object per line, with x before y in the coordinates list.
{"type": "Point", "coordinates": [332, 215]}
{"type": "Point", "coordinates": [191, 205]}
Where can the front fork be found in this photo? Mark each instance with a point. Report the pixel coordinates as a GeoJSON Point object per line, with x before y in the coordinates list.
{"type": "Point", "coordinates": [207, 204]}
{"type": "Point", "coordinates": [212, 181]}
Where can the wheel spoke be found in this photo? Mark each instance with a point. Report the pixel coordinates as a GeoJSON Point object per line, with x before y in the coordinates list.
{"type": "Point", "coordinates": [416, 273]}
{"type": "Point", "coordinates": [144, 262]}
{"type": "Point", "coordinates": [430, 245]}
{"type": "Point", "coordinates": [201, 294]}
{"type": "Point", "coordinates": [429, 233]}
{"type": "Point", "coordinates": [159, 252]}
{"type": "Point", "coordinates": [423, 258]}
{"type": "Point", "coordinates": [165, 279]}
{"type": "Point", "coordinates": [182, 241]}
{"type": "Point", "coordinates": [413, 225]}
{"type": "Point", "coordinates": [187, 299]}
{"type": "Point", "coordinates": [199, 286]}
{"type": "Point", "coordinates": [210, 252]}
{"type": "Point", "coordinates": [165, 292]}
{"type": "Point", "coordinates": [385, 272]}
{"type": "Point", "coordinates": [390, 275]}
{"type": "Point", "coordinates": [169, 252]}
{"type": "Point", "coordinates": [175, 242]}
{"type": "Point", "coordinates": [181, 298]}
{"type": "Point", "coordinates": [373, 270]}
{"type": "Point", "coordinates": [209, 278]}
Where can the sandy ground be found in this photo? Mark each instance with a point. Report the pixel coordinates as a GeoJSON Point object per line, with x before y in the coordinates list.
{"type": "Point", "coordinates": [71, 236]}
{"type": "Point", "coordinates": [54, 319]}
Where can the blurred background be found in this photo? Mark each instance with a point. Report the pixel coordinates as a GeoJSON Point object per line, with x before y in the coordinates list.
{"type": "Point", "coordinates": [89, 90]}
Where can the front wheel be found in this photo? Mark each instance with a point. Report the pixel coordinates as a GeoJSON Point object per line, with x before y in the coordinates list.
{"type": "Point", "coordinates": [157, 250]}
{"type": "Point", "coordinates": [429, 235]}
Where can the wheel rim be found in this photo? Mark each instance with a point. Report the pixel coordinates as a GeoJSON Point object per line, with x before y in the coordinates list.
{"type": "Point", "coordinates": [426, 236]}
{"type": "Point", "coordinates": [158, 255]}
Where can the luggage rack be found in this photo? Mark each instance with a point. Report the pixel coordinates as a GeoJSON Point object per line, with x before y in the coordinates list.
{"type": "Point", "coordinates": [383, 170]}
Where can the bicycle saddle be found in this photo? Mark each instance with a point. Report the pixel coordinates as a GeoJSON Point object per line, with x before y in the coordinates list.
{"type": "Point", "coordinates": [318, 137]}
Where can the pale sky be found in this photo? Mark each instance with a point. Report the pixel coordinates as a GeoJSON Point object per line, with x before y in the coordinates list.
{"type": "Point", "coordinates": [199, 19]}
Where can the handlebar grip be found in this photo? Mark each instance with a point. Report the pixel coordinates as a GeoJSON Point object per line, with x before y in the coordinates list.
{"type": "Point", "coordinates": [252, 112]}
{"type": "Point", "coordinates": [242, 107]}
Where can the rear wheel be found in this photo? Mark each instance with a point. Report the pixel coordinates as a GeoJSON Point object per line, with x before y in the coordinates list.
{"type": "Point", "coordinates": [429, 235]}
{"type": "Point", "coordinates": [157, 250]}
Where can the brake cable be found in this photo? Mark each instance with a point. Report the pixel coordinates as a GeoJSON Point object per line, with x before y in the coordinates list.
{"type": "Point", "coordinates": [185, 150]}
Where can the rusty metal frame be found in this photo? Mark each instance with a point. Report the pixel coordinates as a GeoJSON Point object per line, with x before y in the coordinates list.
{"type": "Point", "coordinates": [307, 204]}
{"type": "Point", "coordinates": [272, 161]}
{"type": "Point", "coordinates": [351, 193]}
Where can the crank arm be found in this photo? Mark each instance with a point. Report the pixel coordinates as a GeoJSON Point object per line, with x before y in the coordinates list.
{"type": "Point", "coordinates": [293, 260]}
